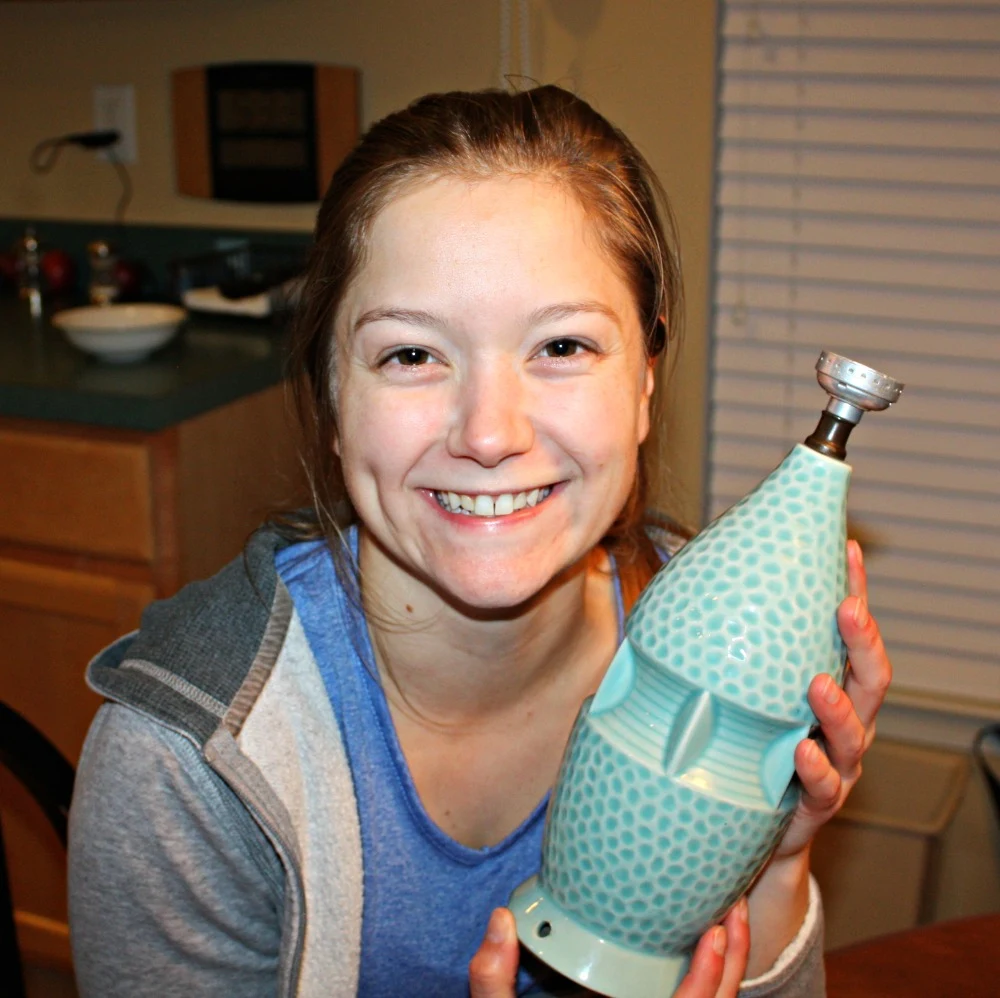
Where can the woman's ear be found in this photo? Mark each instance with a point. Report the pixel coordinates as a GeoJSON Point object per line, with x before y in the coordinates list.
{"type": "Point", "coordinates": [647, 395]}
{"type": "Point", "coordinates": [658, 345]}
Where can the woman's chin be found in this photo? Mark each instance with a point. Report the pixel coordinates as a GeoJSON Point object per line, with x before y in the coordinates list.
{"type": "Point", "coordinates": [488, 600]}
{"type": "Point", "coordinates": [488, 584]}
{"type": "Point", "coordinates": [496, 595]}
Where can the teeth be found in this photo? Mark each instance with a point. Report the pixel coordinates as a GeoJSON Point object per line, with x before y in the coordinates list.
{"type": "Point", "coordinates": [503, 505]}
{"type": "Point", "coordinates": [486, 505]}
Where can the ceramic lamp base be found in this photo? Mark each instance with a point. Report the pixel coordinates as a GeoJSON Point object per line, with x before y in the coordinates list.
{"type": "Point", "coordinates": [583, 956]}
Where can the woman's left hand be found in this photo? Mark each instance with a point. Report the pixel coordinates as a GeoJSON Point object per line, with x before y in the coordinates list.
{"type": "Point", "coordinates": [846, 716]}
{"type": "Point", "coordinates": [780, 897]}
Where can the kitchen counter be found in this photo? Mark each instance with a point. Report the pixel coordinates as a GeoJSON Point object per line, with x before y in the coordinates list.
{"type": "Point", "coordinates": [213, 361]}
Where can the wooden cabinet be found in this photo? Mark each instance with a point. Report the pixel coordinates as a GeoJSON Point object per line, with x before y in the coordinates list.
{"type": "Point", "coordinates": [94, 524]}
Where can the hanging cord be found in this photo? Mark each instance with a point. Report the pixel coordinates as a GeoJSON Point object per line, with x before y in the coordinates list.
{"type": "Point", "coordinates": [126, 182]}
{"type": "Point", "coordinates": [507, 40]}
{"type": "Point", "coordinates": [43, 159]}
{"type": "Point", "coordinates": [504, 80]}
{"type": "Point", "coordinates": [523, 25]}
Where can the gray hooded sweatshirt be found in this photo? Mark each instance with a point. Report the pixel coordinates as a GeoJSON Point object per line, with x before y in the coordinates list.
{"type": "Point", "coordinates": [214, 838]}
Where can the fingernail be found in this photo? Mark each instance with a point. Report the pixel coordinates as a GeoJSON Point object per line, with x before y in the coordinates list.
{"type": "Point", "coordinates": [719, 940]}
{"type": "Point", "coordinates": [495, 932]}
{"type": "Point", "coordinates": [832, 692]}
{"type": "Point", "coordinates": [742, 909]}
{"type": "Point", "coordinates": [861, 613]}
{"type": "Point", "coordinates": [860, 554]}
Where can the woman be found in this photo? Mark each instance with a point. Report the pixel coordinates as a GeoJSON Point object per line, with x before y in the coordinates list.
{"type": "Point", "coordinates": [324, 769]}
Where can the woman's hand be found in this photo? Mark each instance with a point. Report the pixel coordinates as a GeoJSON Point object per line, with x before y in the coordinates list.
{"type": "Point", "coordinates": [717, 965]}
{"type": "Point", "coordinates": [846, 716]}
{"type": "Point", "coordinates": [493, 970]}
{"type": "Point", "coordinates": [780, 897]}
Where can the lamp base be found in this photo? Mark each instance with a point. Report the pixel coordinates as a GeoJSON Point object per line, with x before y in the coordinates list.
{"type": "Point", "coordinates": [582, 955]}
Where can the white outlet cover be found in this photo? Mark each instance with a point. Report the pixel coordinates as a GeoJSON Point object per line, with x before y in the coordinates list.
{"type": "Point", "coordinates": [114, 107]}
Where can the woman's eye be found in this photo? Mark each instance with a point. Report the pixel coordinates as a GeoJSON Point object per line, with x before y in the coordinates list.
{"type": "Point", "coordinates": [563, 348]}
{"type": "Point", "coordinates": [408, 357]}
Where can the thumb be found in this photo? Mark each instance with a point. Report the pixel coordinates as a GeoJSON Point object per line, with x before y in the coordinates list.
{"type": "Point", "coordinates": [493, 970]}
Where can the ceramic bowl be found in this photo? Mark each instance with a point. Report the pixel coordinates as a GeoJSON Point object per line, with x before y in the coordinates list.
{"type": "Point", "coordinates": [120, 334]}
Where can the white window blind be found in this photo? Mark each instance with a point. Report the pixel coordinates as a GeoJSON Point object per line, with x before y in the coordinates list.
{"type": "Point", "coordinates": [858, 210]}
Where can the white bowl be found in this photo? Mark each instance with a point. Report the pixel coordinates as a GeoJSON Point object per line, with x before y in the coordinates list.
{"type": "Point", "coordinates": [120, 333]}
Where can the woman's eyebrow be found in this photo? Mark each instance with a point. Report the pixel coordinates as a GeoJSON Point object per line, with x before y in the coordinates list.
{"type": "Point", "coordinates": [428, 320]}
{"type": "Point", "coordinates": [567, 309]}
{"type": "Point", "coordinates": [412, 316]}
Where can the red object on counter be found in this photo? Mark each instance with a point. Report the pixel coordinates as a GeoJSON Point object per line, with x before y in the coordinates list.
{"type": "Point", "coordinates": [128, 276]}
{"type": "Point", "coordinates": [58, 271]}
{"type": "Point", "coordinates": [8, 270]}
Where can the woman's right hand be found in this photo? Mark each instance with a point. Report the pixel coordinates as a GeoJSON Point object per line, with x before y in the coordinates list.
{"type": "Point", "coordinates": [720, 958]}
{"type": "Point", "coordinates": [717, 966]}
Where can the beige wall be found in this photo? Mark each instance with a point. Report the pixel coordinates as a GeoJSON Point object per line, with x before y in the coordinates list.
{"type": "Point", "coordinates": [647, 64]}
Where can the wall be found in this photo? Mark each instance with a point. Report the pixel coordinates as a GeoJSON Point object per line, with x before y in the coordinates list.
{"type": "Point", "coordinates": [647, 65]}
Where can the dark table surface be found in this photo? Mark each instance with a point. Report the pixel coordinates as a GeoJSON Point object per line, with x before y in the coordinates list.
{"type": "Point", "coordinates": [212, 361]}
{"type": "Point", "coordinates": [955, 959]}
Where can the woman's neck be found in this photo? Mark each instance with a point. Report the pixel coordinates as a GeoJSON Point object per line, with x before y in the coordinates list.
{"type": "Point", "coordinates": [452, 666]}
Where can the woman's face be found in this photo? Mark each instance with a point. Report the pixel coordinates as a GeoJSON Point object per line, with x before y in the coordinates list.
{"type": "Point", "coordinates": [493, 388]}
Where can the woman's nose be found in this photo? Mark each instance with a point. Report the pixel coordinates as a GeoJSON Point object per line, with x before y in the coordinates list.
{"type": "Point", "coordinates": [492, 421]}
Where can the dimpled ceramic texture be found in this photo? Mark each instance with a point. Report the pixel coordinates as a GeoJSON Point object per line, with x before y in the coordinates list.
{"type": "Point", "coordinates": [676, 783]}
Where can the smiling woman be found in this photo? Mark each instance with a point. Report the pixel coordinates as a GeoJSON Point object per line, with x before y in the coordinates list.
{"type": "Point", "coordinates": [496, 354]}
{"type": "Point", "coordinates": [324, 771]}
{"type": "Point", "coordinates": [567, 152]}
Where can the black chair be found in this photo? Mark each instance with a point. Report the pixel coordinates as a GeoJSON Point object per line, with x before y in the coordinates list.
{"type": "Point", "coordinates": [48, 777]}
{"type": "Point", "coordinates": [986, 756]}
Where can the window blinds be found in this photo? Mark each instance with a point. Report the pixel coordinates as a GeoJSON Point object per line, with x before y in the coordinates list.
{"type": "Point", "coordinates": [858, 210]}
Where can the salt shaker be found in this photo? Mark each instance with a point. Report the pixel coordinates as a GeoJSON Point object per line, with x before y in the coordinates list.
{"type": "Point", "coordinates": [29, 274]}
{"type": "Point", "coordinates": [103, 288]}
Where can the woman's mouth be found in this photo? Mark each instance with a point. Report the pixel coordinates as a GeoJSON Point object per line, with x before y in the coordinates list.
{"type": "Point", "coordinates": [491, 505]}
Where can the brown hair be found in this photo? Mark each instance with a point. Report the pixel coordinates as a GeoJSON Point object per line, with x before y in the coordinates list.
{"type": "Point", "coordinates": [545, 131]}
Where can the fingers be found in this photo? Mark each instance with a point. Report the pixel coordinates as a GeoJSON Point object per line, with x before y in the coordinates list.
{"type": "Point", "coordinates": [844, 734]}
{"type": "Point", "coordinates": [720, 958]}
{"type": "Point", "coordinates": [737, 927]}
{"type": "Point", "coordinates": [870, 673]}
{"type": "Point", "coordinates": [493, 970]}
{"type": "Point", "coordinates": [823, 785]}
{"type": "Point", "coordinates": [707, 965]}
{"type": "Point", "coordinates": [846, 716]}
{"type": "Point", "coordinates": [824, 790]}
{"type": "Point", "coordinates": [857, 577]}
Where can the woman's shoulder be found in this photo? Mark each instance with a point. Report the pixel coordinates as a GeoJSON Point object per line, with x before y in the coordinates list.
{"type": "Point", "coordinates": [193, 650]}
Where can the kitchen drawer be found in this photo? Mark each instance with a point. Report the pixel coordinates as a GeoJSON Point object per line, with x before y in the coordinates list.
{"type": "Point", "coordinates": [77, 493]}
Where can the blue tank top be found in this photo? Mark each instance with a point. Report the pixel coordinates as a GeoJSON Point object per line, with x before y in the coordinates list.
{"type": "Point", "coordinates": [427, 897]}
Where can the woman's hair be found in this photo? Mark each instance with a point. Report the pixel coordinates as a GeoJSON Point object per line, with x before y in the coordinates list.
{"type": "Point", "coordinates": [544, 132]}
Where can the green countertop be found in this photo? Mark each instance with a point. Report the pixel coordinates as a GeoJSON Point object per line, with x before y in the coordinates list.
{"type": "Point", "coordinates": [212, 361]}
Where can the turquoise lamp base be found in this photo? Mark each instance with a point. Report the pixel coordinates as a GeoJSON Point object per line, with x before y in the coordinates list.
{"type": "Point", "coordinates": [583, 956]}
